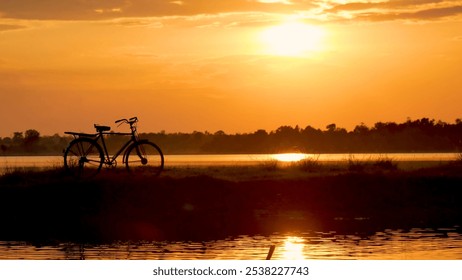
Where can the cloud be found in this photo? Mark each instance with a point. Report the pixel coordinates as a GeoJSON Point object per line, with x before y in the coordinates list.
{"type": "Point", "coordinates": [55, 9]}
{"type": "Point", "coordinates": [426, 14]}
{"type": "Point", "coordinates": [393, 4]}
{"type": "Point", "coordinates": [93, 9]}
{"type": "Point", "coordinates": [7, 27]}
{"type": "Point", "coordinates": [435, 13]}
{"type": "Point", "coordinates": [397, 10]}
{"type": "Point", "coordinates": [327, 10]}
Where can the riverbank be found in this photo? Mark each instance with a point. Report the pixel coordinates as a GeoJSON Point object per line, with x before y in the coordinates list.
{"type": "Point", "coordinates": [207, 203]}
{"type": "Point", "coordinates": [404, 161]}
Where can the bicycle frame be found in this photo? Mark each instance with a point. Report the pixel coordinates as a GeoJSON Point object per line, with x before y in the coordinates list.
{"type": "Point", "coordinates": [100, 135]}
{"type": "Point", "coordinates": [88, 150]}
{"type": "Point", "coordinates": [108, 159]}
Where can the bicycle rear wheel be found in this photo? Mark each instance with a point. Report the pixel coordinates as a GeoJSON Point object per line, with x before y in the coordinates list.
{"type": "Point", "coordinates": [144, 158]}
{"type": "Point", "coordinates": [83, 158]}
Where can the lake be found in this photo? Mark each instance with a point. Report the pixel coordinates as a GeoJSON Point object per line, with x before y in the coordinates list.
{"type": "Point", "coordinates": [417, 243]}
{"type": "Point", "coordinates": [414, 243]}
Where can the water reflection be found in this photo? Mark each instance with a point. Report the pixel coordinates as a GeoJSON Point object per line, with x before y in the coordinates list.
{"type": "Point", "coordinates": [293, 248]}
{"type": "Point", "coordinates": [443, 243]}
{"type": "Point", "coordinates": [290, 157]}
{"type": "Point", "coordinates": [14, 162]}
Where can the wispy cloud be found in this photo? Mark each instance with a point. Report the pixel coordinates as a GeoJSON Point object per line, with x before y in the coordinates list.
{"type": "Point", "coordinates": [358, 6]}
{"type": "Point", "coordinates": [426, 14]}
{"type": "Point", "coordinates": [91, 10]}
{"type": "Point", "coordinates": [371, 10]}
{"type": "Point", "coordinates": [396, 10]}
{"type": "Point", "coordinates": [6, 27]}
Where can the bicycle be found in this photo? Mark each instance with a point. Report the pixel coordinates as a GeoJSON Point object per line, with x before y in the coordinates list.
{"type": "Point", "coordinates": [84, 156]}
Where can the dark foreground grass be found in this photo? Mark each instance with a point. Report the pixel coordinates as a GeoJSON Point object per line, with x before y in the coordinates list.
{"type": "Point", "coordinates": [217, 202]}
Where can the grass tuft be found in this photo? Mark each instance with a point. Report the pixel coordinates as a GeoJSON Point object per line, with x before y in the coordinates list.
{"type": "Point", "coordinates": [311, 164]}
{"type": "Point", "coordinates": [270, 165]}
{"type": "Point", "coordinates": [385, 164]}
{"type": "Point", "coordinates": [381, 164]}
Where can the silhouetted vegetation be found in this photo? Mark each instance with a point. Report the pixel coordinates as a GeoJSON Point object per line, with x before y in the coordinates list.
{"type": "Point", "coordinates": [422, 135]}
{"type": "Point", "coordinates": [48, 205]}
{"type": "Point", "coordinates": [31, 142]}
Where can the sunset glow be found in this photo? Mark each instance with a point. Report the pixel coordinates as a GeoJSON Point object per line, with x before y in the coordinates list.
{"type": "Point", "coordinates": [289, 157]}
{"type": "Point", "coordinates": [236, 66]}
{"type": "Point", "coordinates": [292, 39]}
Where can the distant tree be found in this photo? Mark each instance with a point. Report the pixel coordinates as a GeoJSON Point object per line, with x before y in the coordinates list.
{"type": "Point", "coordinates": [331, 127]}
{"type": "Point", "coordinates": [287, 131]}
{"type": "Point", "coordinates": [421, 135]}
{"type": "Point", "coordinates": [18, 138]}
{"type": "Point", "coordinates": [31, 137]}
{"type": "Point", "coordinates": [361, 129]}
{"type": "Point", "coordinates": [261, 133]}
{"type": "Point", "coordinates": [7, 141]}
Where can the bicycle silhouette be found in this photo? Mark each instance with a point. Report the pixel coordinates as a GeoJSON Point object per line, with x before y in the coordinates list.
{"type": "Point", "coordinates": [84, 156]}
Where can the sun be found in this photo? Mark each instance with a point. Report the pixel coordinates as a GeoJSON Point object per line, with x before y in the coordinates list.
{"type": "Point", "coordinates": [292, 39]}
{"type": "Point", "coordinates": [289, 157]}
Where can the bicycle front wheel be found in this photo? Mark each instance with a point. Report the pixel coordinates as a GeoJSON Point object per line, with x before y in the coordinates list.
{"type": "Point", "coordinates": [83, 158]}
{"type": "Point", "coordinates": [144, 158]}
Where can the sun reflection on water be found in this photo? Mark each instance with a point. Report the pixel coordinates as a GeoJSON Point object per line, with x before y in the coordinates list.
{"type": "Point", "coordinates": [293, 248]}
{"type": "Point", "coordinates": [289, 157]}
{"type": "Point", "coordinates": [414, 244]}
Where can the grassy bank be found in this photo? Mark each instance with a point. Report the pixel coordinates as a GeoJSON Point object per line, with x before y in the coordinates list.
{"type": "Point", "coordinates": [204, 203]}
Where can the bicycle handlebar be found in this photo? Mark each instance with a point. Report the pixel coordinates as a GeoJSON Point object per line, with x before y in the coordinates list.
{"type": "Point", "coordinates": [129, 121]}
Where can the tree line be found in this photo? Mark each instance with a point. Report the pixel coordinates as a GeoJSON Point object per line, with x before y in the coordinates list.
{"type": "Point", "coordinates": [421, 135]}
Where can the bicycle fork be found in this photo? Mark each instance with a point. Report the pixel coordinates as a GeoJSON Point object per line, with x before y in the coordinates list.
{"type": "Point", "coordinates": [140, 152]}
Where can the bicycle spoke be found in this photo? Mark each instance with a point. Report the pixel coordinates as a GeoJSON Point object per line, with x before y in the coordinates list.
{"type": "Point", "coordinates": [83, 158]}
{"type": "Point", "coordinates": [86, 151]}
{"type": "Point", "coordinates": [75, 154]}
{"type": "Point", "coordinates": [80, 148]}
{"type": "Point", "coordinates": [145, 158]}
{"type": "Point", "coordinates": [95, 161]}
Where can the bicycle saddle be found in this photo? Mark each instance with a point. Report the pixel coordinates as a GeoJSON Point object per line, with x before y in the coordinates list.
{"type": "Point", "coordinates": [101, 128]}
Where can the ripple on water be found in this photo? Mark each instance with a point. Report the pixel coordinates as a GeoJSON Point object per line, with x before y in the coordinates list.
{"type": "Point", "coordinates": [441, 243]}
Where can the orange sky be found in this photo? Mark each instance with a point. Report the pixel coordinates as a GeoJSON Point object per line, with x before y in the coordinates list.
{"type": "Point", "coordinates": [232, 65]}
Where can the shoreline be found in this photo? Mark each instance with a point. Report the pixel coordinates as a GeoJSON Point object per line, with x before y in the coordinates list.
{"type": "Point", "coordinates": [207, 203]}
